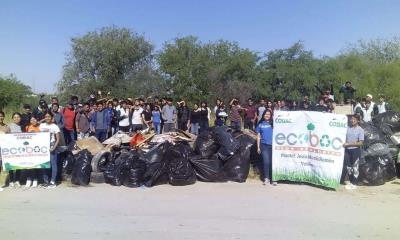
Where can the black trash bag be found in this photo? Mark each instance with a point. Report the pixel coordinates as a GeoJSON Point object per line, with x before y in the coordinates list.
{"type": "Point", "coordinates": [374, 171]}
{"type": "Point", "coordinates": [389, 121]}
{"type": "Point", "coordinates": [82, 168]}
{"type": "Point", "coordinates": [68, 165]}
{"type": "Point", "coordinates": [208, 169]}
{"type": "Point", "coordinates": [135, 175]}
{"type": "Point", "coordinates": [236, 167]}
{"type": "Point", "coordinates": [116, 172]}
{"type": "Point", "coordinates": [156, 165]}
{"type": "Point", "coordinates": [377, 149]}
{"type": "Point", "coordinates": [181, 172]}
{"type": "Point", "coordinates": [371, 134]}
{"type": "Point", "coordinates": [205, 144]}
{"type": "Point", "coordinates": [228, 144]}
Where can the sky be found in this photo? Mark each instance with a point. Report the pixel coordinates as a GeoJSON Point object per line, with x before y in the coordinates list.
{"type": "Point", "coordinates": [35, 35]}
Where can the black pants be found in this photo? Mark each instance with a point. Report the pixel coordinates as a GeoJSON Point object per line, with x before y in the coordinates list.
{"type": "Point", "coordinates": [248, 124]}
{"type": "Point", "coordinates": [350, 157]}
{"type": "Point", "coordinates": [182, 125]}
{"type": "Point", "coordinates": [15, 175]}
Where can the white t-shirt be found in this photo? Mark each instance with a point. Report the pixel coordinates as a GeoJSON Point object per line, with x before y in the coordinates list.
{"type": "Point", "coordinates": [52, 128]}
{"type": "Point", "coordinates": [137, 116]}
{"type": "Point", "coordinates": [124, 113]}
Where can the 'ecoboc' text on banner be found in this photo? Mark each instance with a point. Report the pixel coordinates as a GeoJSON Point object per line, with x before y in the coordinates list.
{"type": "Point", "coordinates": [25, 150]}
{"type": "Point", "coordinates": [308, 147]}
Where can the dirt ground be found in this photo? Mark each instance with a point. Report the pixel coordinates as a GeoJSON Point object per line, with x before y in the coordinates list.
{"type": "Point", "coordinates": [201, 211]}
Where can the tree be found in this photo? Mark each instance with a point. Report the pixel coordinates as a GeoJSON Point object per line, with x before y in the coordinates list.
{"type": "Point", "coordinates": [12, 91]}
{"type": "Point", "coordinates": [198, 70]}
{"type": "Point", "coordinates": [108, 60]}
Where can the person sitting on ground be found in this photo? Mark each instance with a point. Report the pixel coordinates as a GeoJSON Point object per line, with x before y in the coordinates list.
{"type": "Point", "coordinates": [382, 106]}
{"type": "Point", "coordinates": [353, 144]}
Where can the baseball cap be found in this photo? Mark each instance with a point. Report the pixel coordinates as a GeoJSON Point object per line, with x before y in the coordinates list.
{"type": "Point", "coordinates": [369, 95]}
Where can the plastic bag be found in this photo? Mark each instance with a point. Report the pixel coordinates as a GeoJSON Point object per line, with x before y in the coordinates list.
{"type": "Point", "coordinates": [205, 145]}
{"type": "Point", "coordinates": [371, 134]}
{"type": "Point", "coordinates": [116, 172]}
{"type": "Point", "coordinates": [377, 149]}
{"type": "Point", "coordinates": [156, 165]}
{"type": "Point", "coordinates": [376, 171]}
{"type": "Point", "coordinates": [181, 172]}
{"type": "Point", "coordinates": [68, 165]}
{"type": "Point", "coordinates": [135, 174]}
{"type": "Point", "coordinates": [228, 144]}
{"type": "Point", "coordinates": [82, 168]}
{"type": "Point", "coordinates": [236, 167]}
{"type": "Point", "coordinates": [389, 121]}
{"type": "Point", "coordinates": [208, 169]}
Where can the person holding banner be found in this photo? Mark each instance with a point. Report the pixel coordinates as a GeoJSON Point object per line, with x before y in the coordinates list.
{"type": "Point", "coordinates": [353, 144]}
{"type": "Point", "coordinates": [49, 126]}
{"type": "Point", "coordinates": [15, 127]}
{"type": "Point", "coordinates": [3, 130]}
{"type": "Point", "coordinates": [264, 145]}
{"type": "Point", "coordinates": [32, 174]}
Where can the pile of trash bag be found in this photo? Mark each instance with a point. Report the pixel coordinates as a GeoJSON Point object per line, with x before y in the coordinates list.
{"type": "Point", "coordinates": [380, 151]}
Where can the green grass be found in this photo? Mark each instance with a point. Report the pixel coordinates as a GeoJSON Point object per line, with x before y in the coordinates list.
{"type": "Point", "coordinates": [305, 176]}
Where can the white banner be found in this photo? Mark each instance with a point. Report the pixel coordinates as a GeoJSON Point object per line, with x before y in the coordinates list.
{"type": "Point", "coordinates": [308, 147]}
{"type": "Point", "coordinates": [25, 150]}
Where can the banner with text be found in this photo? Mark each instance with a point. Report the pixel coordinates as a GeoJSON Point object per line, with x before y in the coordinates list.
{"type": "Point", "coordinates": [308, 147]}
{"type": "Point", "coordinates": [25, 150]}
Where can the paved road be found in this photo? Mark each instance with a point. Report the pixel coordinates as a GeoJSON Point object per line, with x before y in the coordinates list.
{"type": "Point", "coordinates": [201, 211]}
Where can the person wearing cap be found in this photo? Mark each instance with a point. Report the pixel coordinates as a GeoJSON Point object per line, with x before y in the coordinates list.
{"type": "Point", "coordinates": [367, 110]}
{"type": "Point", "coordinates": [382, 106]}
{"type": "Point", "coordinates": [26, 116]}
{"type": "Point", "coordinates": [40, 110]}
{"type": "Point", "coordinates": [348, 92]}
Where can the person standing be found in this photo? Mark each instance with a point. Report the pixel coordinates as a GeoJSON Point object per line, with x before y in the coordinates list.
{"type": "Point", "coordinates": [156, 118]}
{"type": "Point", "coordinates": [169, 115]}
{"type": "Point", "coordinates": [194, 119]}
{"type": "Point", "coordinates": [146, 116]}
{"type": "Point", "coordinates": [114, 118]}
{"type": "Point", "coordinates": [250, 115]}
{"type": "Point", "coordinates": [3, 130]}
{"type": "Point", "coordinates": [123, 117]}
{"type": "Point", "coordinates": [204, 116]}
{"type": "Point", "coordinates": [52, 128]}
{"type": "Point", "coordinates": [40, 110]}
{"type": "Point", "coordinates": [15, 127]}
{"type": "Point", "coordinates": [32, 174]}
{"type": "Point", "coordinates": [136, 117]}
{"type": "Point", "coordinates": [348, 92]}
{"type": "Point", "coordinates": [26, 116]}
{"type": "Point", "coordinates": [82, 122]}
{"type": "Point", "coordinates": [382, 106]}
{"type": "Point", "coordinates": [221, 116]}
{"type": "Point", "coordinates": [183, 116]}
{"type": "Point", "coordinates": [236, 119]}
{"type": "Point", "coordinates": [264, 145]}
{"type": "Point", "coordinates": [353, 144]}
{"type": "Point", "coordinates": [69, 123]}
{"type": "Point", "coordinates": [261, 109]}
{"type": "Point", "coordinates": [100, 122]}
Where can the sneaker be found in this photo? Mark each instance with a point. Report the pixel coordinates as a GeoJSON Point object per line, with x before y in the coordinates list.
{"type": "Point", "coordinates": [51, 185]}
{"type": "Point", "coordinates": [17, 184]}
{"type": "Point", "coordinates": [350, 186]}
{"type": "Point", "coordinates": [266, 181]}
{"type": "Point", "coordinates": [11, 184]}
{"type": "Point", "coordinates": [35, 183]}
{"type": "Point", "coordinates": [28, 183]}
{"type": "Point", "coordinates": [274, 184]}
{"type": "Point", "coordinates": [1, 189]}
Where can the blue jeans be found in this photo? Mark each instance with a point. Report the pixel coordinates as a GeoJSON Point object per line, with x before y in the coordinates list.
{"type": "Point", "coordinates": [266, 153]}
{"type": "Point", "coordinates": [157, 127]}
{"type": "Point", "coordinates": [194, 128]}
{"type": "Point", "coordinates": [101, 134]}
{"type": "Point", "coordinates": [54, 168]}
{"type": "Point", "coordinates": [236, 125]}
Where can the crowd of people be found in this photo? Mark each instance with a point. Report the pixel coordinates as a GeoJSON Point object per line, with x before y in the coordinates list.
{"type": "Point", "coordinates": [103, 118]}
